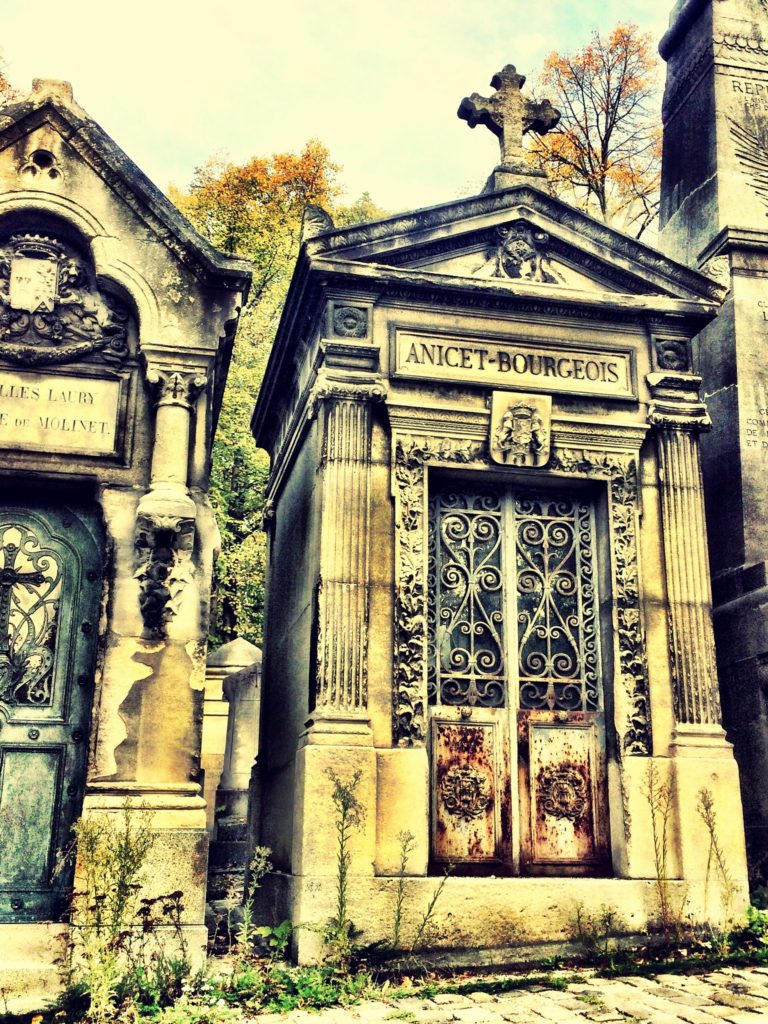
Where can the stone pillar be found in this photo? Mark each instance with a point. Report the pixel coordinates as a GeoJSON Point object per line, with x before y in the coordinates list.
{"type": "Point", "coordinates": [342, 641]}
{"type": "Point", "coordinates": [165, 545]}
{"type": "Point", "coordinates": [338, 737]}
{"type": "Point", "coordinates": [176, 388]}
{"type": "Point", "coordinates": [242, 691]}
{"type": "Point", "coordinates": [678, 416]}
{"type": "Point", "coordinates": [701, 758]}
{"type": "Point", "coordinates": [158, 762]}
{"type": "Point", "coordinates": [341, 687]}
{"type": "Point", "coordinates": [712, 216]}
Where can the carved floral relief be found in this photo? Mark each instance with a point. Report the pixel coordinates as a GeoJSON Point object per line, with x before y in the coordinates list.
{"type": "Point", "coordinates": [411, 609]}
{"type": "Point", "coordinates": [163, 567]}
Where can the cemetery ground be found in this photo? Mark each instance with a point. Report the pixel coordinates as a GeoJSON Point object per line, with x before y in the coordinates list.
{"type": "Point", "coordinates": [699, 981]}
{"type": "Point", "coordinates": [128, 959]}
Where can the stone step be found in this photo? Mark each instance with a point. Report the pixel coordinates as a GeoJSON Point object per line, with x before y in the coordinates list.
{"type": "Point", "coordinates": [226, 854]}
{"type": "Point", "coordinates": [224, 881]}
{"type": "Point", "coordinates": [230, 830]}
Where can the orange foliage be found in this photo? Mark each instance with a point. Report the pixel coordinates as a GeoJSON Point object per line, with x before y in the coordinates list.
{"type": "Point", "coordinates": [7, 92]}
{"type": "Point", "coordinates": [605, 153]}
{"type": "Point", "coordinates": [255, 209]}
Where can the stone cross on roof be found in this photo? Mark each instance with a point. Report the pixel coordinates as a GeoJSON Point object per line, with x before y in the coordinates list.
{"type": "Point", "coordinates": [509, 115]}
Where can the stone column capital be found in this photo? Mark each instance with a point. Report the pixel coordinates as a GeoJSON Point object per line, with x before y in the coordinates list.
{"type": "Point", "coordinates": [175, 383]}
{"type": "Point", "coordinates": [326, 390]}
{"type": "Point", "coordinates": [676, 403]}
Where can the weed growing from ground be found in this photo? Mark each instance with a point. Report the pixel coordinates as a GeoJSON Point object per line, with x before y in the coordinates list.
{"type": "Point", "coordinates": [407, 842]}
{"type": "Point", "coordinates": [716, 860]}
{"type": "Point", "coordinates": [111, 852]}
{"type": "Point", "coordinates": [260, 866]}
{"type": "Point", "coordinates": [426, 920]}
{"type": "Point", "coordinates": [349, 818]}
{"type": "Point", "coordinates": [595, 931]}
{"type": "Point", "coordinates": [125, 950]}
{"type": "Point", "coordinates": [658, 796]}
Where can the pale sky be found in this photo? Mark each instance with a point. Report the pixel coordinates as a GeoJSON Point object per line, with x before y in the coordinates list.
{"type": "Point", "coordinates": [177, 81]}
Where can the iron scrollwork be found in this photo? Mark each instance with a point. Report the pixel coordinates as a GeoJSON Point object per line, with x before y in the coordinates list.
{"type": "Point", "coordinates": [412, 605]}
{"type": "Point", "coordinates": [621, 472]}
{"type": "Point", "coordinates": [465, 600]}
{"type": "Point", "coordinates": [30, 591]}
{"type": "Point", "coordinates": [557, 645]}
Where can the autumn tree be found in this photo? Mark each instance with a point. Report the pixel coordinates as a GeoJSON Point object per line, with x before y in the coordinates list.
{"type": "Point", "coordinates": [254, 210]}
{"type": "Point", "coordinates": [7, 92]}
{"type": "Point", "coordinates": [605, 154]}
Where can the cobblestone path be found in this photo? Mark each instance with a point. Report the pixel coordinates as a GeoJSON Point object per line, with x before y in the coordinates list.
{"type": "Point", "coordinates": [730, 995]}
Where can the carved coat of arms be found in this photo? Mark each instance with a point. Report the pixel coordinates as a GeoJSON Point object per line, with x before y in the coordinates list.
{"type": "Point", "coordinates": [50, 308]}
{"type": "Point", "coordinates": [466, 793]}
{"type": "Point", "coordinates": [520, 429]}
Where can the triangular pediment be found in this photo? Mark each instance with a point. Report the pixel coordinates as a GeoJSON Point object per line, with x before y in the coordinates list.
{"type": "Point", "coordinates": [50, 108]}
{"type": "Point", "coordinates": [518, 236]}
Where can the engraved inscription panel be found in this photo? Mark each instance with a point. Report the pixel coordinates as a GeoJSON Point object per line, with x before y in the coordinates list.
{"type": "Point", "coordinates": [45, 412]}
{"type": "Point", "coordinates": [515, 364]}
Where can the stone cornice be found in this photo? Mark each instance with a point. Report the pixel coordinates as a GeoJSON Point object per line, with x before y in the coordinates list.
{"type": "Point", "coordinates": [385, 241]}
{"type": "Point", "coordinates": [528, 297]}
{"type": "Point", "coordinates": [731, 238]}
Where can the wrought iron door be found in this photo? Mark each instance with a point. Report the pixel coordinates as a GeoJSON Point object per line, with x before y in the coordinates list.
{"type": "Point", "coordinates": [50, 586]}
{"type": "Point", "coordinates": [515, 679]}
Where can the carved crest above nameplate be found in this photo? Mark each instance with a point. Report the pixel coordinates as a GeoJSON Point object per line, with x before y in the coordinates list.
{"type": "Point", "coordinates": [51, 310]}
{"type": "Point", "coordinates": [581, 370]}
{"type": "Point", "coordinates": [520, 429]}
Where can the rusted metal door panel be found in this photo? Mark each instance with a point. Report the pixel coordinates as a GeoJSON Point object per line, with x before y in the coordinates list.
{"type": "Point", "coordinates": [513, 632]}
{"type": "Point", "coordinates": [564, 818]}
{"type": "Point", "coordinates": [469, 734]}
{"type": "Point", "coordinates": [470, 790]}
{"type": "Point", "coordinates": [50, 589]}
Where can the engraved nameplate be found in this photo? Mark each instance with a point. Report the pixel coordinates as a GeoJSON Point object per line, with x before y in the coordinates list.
{"type": "Point", "coordinates": [48, 412]}
{"type": "Point", "coordinates": [578, 370]}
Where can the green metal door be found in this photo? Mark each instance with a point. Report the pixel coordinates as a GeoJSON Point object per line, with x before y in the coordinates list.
{"type": "Point", "coordinates": [50, 588]}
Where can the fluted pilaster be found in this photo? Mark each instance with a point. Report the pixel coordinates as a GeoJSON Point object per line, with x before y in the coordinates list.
{"type": "Point", "coordinates": [342, 606]}
{"type": "Point", "coordinates": [678, 421]}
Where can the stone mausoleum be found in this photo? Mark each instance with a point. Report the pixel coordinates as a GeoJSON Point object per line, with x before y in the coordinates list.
{"type": "Point", "coordinates": [116, 328]}
{"type": "Point", "coordinates": [714, 203]}
{"type": "Point", "coordinates": [490, 594]}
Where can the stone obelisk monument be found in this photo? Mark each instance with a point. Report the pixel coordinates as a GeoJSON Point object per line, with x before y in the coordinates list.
{"type": "Point", "coordinates": [714, 216]}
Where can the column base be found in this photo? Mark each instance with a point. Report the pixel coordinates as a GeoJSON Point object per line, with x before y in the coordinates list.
{"type": "Point", "coordinates": [178, 858]}
{"type": "Point", "coordinates": [703, 740]}
{"type": "Point", "coordinates": [337, 728]}
{"type": "Point", "coordinates": [315, 840]}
